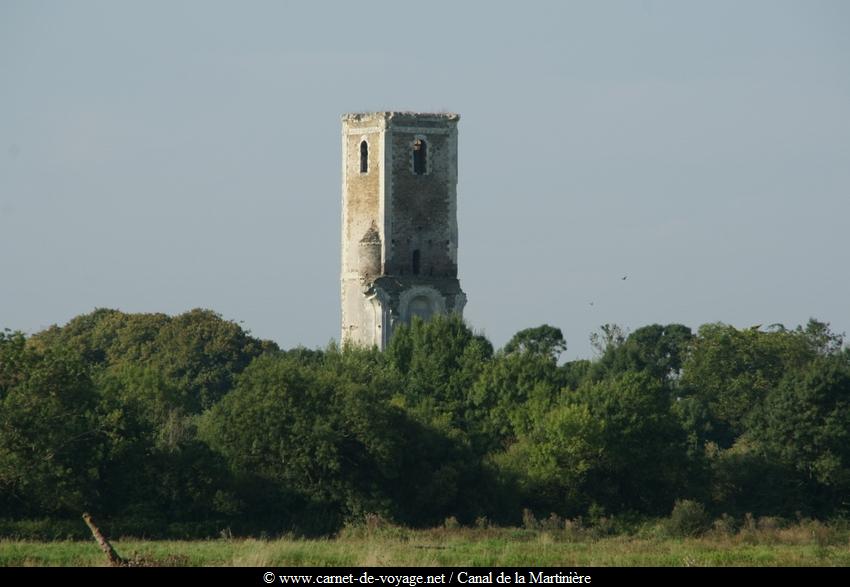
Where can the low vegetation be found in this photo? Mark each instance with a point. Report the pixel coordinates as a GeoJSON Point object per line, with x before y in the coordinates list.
{"type": "Point", "coordinates": [758, 542]}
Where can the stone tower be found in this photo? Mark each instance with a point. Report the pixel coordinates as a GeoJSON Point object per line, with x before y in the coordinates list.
{"type": "Point", "coordinates": [399, 222]}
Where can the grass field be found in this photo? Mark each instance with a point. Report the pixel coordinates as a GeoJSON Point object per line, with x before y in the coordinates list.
{"type": "Point", "coordinates": [810, 544]}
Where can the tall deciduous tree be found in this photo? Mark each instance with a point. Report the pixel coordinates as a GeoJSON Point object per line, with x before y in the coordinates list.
{"type": "Point", "coordinates": [730, 372]}
{"type": "Point", "coordinates": [198, 352]}
{"type": "Point", "coordinates": [544, 340]}
{"type": "Point", "coordinates": [49, 440]}
{"type": "Point", "coordinates": [657, 350]}
{"type": "Point", "coordinates": [645, 463]}
{"type": "Point", "coordinates": [439, 361]}
{"type": "Point", "coordinates": [805, 424]}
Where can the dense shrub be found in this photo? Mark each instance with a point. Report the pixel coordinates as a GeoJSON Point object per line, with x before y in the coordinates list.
{"type": "Point", "coordinates": [688, 518]}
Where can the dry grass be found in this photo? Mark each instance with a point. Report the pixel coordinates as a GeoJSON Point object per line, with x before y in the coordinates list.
{"type": "Point", "coordinates": [765, 542]}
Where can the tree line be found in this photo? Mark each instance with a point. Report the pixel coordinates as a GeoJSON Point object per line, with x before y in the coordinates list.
{"type": "Point", "coordinates": [153, 423]}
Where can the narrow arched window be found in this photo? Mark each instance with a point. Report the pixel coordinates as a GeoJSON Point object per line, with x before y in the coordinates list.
{"type": "Point", "coordinates": [364, 157]}
{"type": "Point", "coordinates": [420, 156]}
{"type": "Point", "coordinates": [416, 262]}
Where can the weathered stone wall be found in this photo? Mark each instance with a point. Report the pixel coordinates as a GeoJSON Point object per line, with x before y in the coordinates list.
{"type": "Point", "coordinates": [362, 228]}
{"type": "Point", "coordinates": [422, 207]}
{"type": "Point", "coordinates": [361, 191]}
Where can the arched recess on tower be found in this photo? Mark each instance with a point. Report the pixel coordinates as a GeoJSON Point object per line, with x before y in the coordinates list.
{"type": "Point", "coordinates": [422, 301]}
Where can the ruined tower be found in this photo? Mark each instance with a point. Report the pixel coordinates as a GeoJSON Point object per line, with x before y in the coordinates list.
{"type": "Point", "coordinates": [399, 222]}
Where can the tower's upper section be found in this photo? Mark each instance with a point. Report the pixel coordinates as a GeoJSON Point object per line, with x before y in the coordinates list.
{"type": "Point", "coordinates": [399, 194]}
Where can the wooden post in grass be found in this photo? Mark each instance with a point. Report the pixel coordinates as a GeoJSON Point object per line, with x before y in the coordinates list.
{"type": "Point", "coordinates": [114, 559]}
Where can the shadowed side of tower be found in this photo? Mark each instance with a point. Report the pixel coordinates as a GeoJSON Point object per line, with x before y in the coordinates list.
{"type": "Point", "coordinates": [399, 222]}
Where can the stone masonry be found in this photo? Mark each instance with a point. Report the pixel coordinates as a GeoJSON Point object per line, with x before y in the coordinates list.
{"type": "Point", "coordinates": [399, 222]}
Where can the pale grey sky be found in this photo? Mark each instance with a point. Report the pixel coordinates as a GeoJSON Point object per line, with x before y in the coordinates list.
{"type": "Point", "coordinates": [159, 156]}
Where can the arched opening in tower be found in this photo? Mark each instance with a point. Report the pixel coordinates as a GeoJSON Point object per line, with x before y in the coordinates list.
{"type": "Point", "coordinates": [364, 157]}
{"type": "Point", "coordinates": [416, 258]}
{"type": "Point", "coordinates": [420, 156]}
{"type": "Point", "coordinates": [420, 306]}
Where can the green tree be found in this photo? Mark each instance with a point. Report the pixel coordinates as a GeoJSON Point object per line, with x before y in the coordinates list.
{"type": "Point", "coordinates": [107, 337]}
{"type": "Point", "coordinates": [438, 361]}
{"type": "Point", "coordinates": [198, 352]}
{"type": "Point", "coordinates": [615, 443]}
{"type": "Point", "coordinates": [822, 341]}
{"type": "Point", "coordinates": [49, 441]}
{"type": "Point", "coordinates": [609, 337]}
{"type": "Point", "coordinates": [658, 350]}
{"type": "Point", "coordinates": [645, 465]}
{"type": "Point", "coordinates": [731, 371]}
{"type": "Point", "coordinates": [805, 424]}
{"type": "Point", "coordinates": [311, 431]}
{"type": "Point", "coordinates": [544, 340]}
{"type": "Point", "coordinates": [509, 394]}
{"type": "Point", "coordinates": [550, 463]}
{"type": "Point", "coordinates": [743, 480]}
{"type": "Point", "coordinates": [202, 354]}
{"type": "Point", "coordinates": [153, 465]}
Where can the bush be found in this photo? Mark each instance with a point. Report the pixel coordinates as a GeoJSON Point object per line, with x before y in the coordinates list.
{"type": "Point", "coordinates": [725, 525]}
{"type": "Point", "coordinates": [688, 518]}
{"type": "Point", "coordinates": [529, 522]}
{"type": "Point", "coordinates": [373, 526]}
{"type": "Point", "coordinates": [45, 529]}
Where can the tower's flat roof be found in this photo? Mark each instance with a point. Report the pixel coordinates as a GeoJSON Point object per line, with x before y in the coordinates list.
{"type": "Point", "coordinates": [389, 114]}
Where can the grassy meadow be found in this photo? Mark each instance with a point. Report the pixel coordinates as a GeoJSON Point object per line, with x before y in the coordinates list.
{"type": "Point", "coordinates": [763, 544]}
